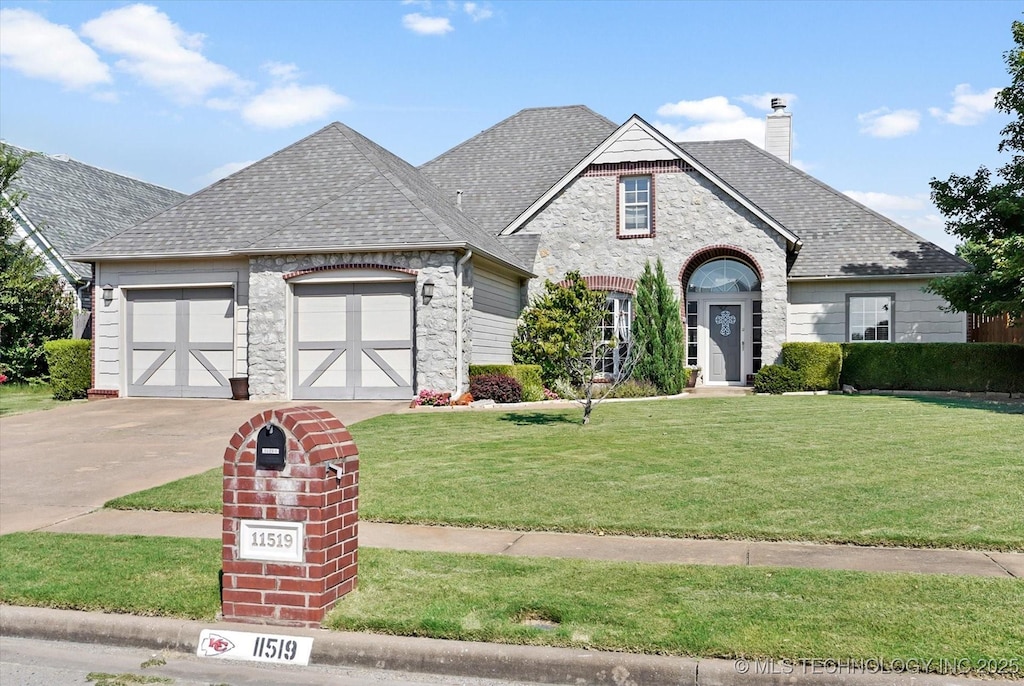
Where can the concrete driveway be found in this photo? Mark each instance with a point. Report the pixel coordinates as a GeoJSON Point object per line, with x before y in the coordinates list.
{"type": "Point", "coordinates": [62, 463]}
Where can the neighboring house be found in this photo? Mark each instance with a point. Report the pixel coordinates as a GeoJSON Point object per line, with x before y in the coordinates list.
{"type": "Point", "coordinates": [333, 269]}
{"type": "Point", "coordinates": [69, 205]}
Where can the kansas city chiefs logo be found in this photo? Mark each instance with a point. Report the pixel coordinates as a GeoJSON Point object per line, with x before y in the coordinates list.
{"type": "Point", "coordinates": [215, 645]}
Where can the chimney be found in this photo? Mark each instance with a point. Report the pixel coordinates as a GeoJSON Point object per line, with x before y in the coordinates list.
{"type": "Point", "coordinates": [778, 131]}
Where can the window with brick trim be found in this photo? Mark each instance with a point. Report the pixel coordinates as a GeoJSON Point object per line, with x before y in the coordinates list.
{"type": "Point", "coordinates": [635, 206]}
{"type": "Point", "coordinates": [616, 328]}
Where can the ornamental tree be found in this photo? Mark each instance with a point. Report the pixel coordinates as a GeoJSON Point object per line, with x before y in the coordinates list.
{"type": "Point", "coordinates": [34, 307]}
{"type": "Point", "coordinates": [659, 332]}
{"type": "Point", "coordinates": [988, 214]}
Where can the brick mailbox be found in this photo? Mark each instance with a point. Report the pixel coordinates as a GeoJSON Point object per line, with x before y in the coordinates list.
{"type": "Point", "coordinates": [291, 493]}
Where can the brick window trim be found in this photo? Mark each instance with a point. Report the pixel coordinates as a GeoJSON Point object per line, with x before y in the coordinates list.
{"type": "Point", "coordinates": [649, 168]}
{"type": "Point", "coordinates": [714, 252]}
{"type": "Point", "coordinates": [610, 284]}
{"type": "Point", "coordinates": [339, 267]}
{"type": "Point", "coordinates": [618, 209]}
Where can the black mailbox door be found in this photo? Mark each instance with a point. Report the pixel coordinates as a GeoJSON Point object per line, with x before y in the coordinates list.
{"type": "Point", "coordinates": [271, 447]}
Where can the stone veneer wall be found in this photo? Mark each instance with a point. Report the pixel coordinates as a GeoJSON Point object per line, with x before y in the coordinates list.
{"type": "Point", "coordinates": [577, 231]}
{"type": "Point", "coordinates": [435, 322]}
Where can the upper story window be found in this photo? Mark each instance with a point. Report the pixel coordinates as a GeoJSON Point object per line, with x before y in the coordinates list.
{"type": "Point", "coordinates": [723, 276]}
{"type": "Point", "coordinates": [635, 206]}
{"type": "Point", "coordinates": [869, 318]}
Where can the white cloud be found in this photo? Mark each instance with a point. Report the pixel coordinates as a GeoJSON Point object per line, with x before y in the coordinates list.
{"type": "Point", "coordinates": [713, 118]}
{"type": "Point", "coordinates": [427, 26]}
{"type": "Point", "coordinates": [223, 171]}
{"type": "Point", "coordinates": [969, 108]}
{"type": "Point", "coordinates": [764, 100]}
{"type": "Point", "coordinates": [477, 12]}
{"type": "Point", "coordinates": [40, 49]}
{"type": "Point", "coordinates": [159, 52]}
{"type": "Point", "coordinates": [715, 109]}
{"type": "Point", "coordinates": [287, 105]}
{"type": "Point", "coordinates": [886, 123]}
{"type": "Point", "coordinates": [281, 71]}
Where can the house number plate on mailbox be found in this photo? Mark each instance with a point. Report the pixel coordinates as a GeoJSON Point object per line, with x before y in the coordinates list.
{"type": "Point", "coordinates": [260, 539]}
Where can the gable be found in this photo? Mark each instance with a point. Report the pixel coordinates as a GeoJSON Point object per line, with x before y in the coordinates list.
{"type": "Point", "coordinates": [634, 144]}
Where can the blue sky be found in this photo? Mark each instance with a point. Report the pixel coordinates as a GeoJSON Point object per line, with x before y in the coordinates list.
{"type": "Point", "coordinates": [884, 95]}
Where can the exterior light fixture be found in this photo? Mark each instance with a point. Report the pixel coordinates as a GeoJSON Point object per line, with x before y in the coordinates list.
{"type": "Point", "coordinates": [108, 293]}
{"type": "Point", "coordinates": [428, 291]}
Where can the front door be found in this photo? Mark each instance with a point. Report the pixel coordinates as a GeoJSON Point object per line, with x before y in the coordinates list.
{"type": "Point", "coordinates": [725, 331]}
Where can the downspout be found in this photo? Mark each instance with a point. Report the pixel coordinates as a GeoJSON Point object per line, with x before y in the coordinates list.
{"type": "Point", "coordinates": [458, 320]}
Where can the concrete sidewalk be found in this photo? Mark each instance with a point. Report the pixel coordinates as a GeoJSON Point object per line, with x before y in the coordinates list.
{"type": "Point", "coordinates": [588, 546]}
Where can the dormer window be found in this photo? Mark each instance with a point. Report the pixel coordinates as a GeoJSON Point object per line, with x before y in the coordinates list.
{"type": "Point", "coordinates": [636, 219]}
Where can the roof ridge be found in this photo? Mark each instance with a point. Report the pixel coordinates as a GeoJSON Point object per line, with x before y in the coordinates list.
{"type": "Point", "coordinates": [507, 119]}
{"type": "Point", "coordinates": [39, 154]}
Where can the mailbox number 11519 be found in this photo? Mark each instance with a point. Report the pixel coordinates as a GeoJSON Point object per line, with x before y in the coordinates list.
{"type": "Point", "coordinates": [270, 539]}
{"type": "Point", "coordinates": [274, 648]}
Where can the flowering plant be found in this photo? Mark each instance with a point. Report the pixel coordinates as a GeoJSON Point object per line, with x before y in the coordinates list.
{"type": "Point", "coordinates": [3, 378]}
{"type": "Point", "coordinates": [433, 398]}
{"type": "Point", "coordinates": [551, 395]}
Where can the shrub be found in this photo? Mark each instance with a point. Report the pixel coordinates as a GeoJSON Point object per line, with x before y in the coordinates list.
{"type": "Point", "coordinates": [528, 375]}
{"type": "Point", "coordinates": [997, 367]}
{"type": "Point", "coordinates": [776, 379]}
{"type": "Point", "coordinates": [635, 388]}
{"type": "Point", "coordinates": [433, 398]}
{"type": "Point", "coordinates": [817, 364]}
{"type": "Point", "coordinates": [70, 363]}
{"type": "Point", "coordinates": [501, 388]}
{"type": "Point", "coordinates": [658, 331]}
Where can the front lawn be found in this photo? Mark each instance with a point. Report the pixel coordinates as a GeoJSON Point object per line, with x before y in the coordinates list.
{"type": "Point", "coordinates": [652, 608]}
{"type": "Point", "coordinates": [865, 470]}
{"type": "Point", "coordinates": [19, 398]}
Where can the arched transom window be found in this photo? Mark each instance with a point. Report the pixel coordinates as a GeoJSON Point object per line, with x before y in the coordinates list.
{"type": "Point", "coordinates": [723, 275]}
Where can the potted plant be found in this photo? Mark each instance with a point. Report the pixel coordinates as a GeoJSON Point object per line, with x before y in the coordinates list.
{"type": "Point", "coordinates": [691, 380]}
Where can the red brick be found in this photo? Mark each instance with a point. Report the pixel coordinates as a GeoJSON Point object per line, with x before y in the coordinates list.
{"type": "Point", "coordinates": [239, 595]}
{"type": "Point", "coordinates": [250, 610]}
{"type": "Point", "coordinates": [244, 567]}
{"type": "Point", "coordinates": [260, 583]}
{"type": "Point", "coordinates": [349, 545]}
{"type": "Point", "coordinates": [350, 519]}
{"type": "Point", "coordinates": [316, 557]}
{"type": "Point", "coordinates": [248, 511]}
{"type": "Point", "coordinates": [286, 599]}
{"type": "Point", "coordinates": [309, 615]}
{"type": "Point", "coordinates": [302, 585]}
{"type": "Point", "coordinates": [275, 569]}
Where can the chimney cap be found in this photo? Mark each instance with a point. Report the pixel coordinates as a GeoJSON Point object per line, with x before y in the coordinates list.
{"type": "Point", "coordinates": [778, 104]}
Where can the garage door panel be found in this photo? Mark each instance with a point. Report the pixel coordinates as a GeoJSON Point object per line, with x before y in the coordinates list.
{"type": "Point", "coordinates": [353, 341]}
{"type": "Point", "coordinates": [180, 342]}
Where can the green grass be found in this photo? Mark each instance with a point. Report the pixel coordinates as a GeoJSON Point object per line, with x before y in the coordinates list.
{"type": "Point", "coordinates": [19, 398]}
{"type": "Point", "coordinates": [864, 470]}
{"type": "Point", "coordinates": [650, 608]}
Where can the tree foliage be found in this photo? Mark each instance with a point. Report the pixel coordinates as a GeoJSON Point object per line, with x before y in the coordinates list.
{"type": "Point", "coordinates": [557, 327]}
{"type": "Point", "coordinates": [658, 331]}
{"type": "Point", "coordinates": [988, 214]}
{"type": "Point", "coordinates": [33, 307]}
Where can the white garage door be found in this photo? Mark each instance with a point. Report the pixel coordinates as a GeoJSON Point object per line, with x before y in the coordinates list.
{"type": "Point", "coordinates": [180, 342]}
{"type": "Point", "coordinates": [353, 341]}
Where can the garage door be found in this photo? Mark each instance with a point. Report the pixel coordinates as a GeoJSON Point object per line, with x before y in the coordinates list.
{"type": "Point", "coordinates": [353, 341]}
{"type": "Point", "coordinates": [180, 342]}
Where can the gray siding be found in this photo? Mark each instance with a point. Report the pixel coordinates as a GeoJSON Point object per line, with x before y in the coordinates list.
{"type": "Point", "coordinates": [496, 307]}
{"type": "Point", "coordinates": [817, 311]}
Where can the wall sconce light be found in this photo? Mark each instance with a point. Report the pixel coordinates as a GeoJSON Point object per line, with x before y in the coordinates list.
{"type": "Point", "coordinates": [108, 293]}
{"type": "Point", "coordinates": [428, 291]}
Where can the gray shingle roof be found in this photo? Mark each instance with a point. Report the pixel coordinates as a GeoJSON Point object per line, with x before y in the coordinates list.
{"type": "Point", "coordinates": [504, 169]}
{"type": "Point", "coordinates": [333, 189]}
{"type": "Point", "coordinates": [73, 204]}
{"type": "Point", "coordinates": [840, 236]}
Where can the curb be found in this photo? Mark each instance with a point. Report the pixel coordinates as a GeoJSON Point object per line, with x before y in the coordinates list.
{"type": "Point", "coordinates": [461, 658]}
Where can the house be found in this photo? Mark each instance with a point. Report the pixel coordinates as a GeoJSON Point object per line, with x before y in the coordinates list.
{"type": "Point", "coordinates": [69, 205]}
{"type": "Point", "coordinates": [335, 270]}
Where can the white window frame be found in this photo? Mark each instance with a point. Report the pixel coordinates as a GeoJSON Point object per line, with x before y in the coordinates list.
{"type": "Point", "coordinates": [858, 321]}
{"type": "Point", "coordinates": [618, 325]}
{"type": "Point", "coordinates": [631, 199]}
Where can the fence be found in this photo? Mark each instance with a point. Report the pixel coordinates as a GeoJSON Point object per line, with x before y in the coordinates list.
{"type": "Point", "coordinates": [993, 329]}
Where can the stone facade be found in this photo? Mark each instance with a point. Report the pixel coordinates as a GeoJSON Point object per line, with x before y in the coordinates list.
{"type": "Point", "coordinates": [435, 322]}
{"type": "Point", "coordinates": [578, 231]}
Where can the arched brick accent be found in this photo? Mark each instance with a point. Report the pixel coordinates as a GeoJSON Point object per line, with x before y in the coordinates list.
{"type": "Point", "coordinates": [613, 284]}
{"type": "Point", "coordinates": [333, 267]}
{"type": "Point", "coordinates": [713, 252]}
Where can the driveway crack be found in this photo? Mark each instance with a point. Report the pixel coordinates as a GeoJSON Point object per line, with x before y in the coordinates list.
{"type": "Point", "coordinates": [512, 544]}
{"type": "Point", "coordinates": [996, 563]}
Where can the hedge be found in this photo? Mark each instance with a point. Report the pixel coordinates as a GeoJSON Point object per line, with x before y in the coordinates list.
{"type": "Point", "coordinates": [70, 363]}
{"type": "Point", "coordinates": [817, 364]}
{"type": "Point", "coordinates": [528, 376]}
{"type": "Point", "coordinates": [997, 367]}
{"type": "Point", "coordinates": [501, 388]}
{"type": "Point", "coordinates": [776, 379]}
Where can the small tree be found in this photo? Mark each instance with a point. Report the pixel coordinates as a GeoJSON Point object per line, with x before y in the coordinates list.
{"type": "Point", "coordinates": [587, 365]}
{"type": "Point", "coordinates": [659, 332]}
{"type": "Point", "coordinates": [33, 306]}
{"type": "Point", "coordinates": [555, 328]}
